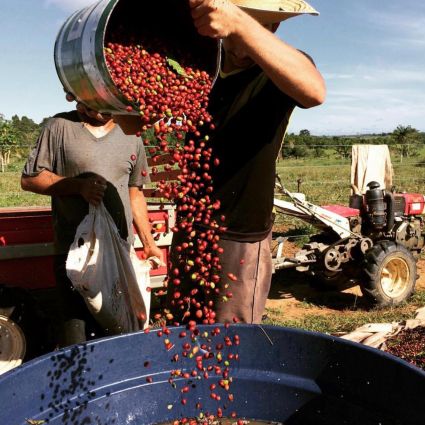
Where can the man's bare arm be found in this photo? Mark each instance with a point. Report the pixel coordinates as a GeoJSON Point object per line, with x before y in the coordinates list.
{"type": "Point", "coordinates": [92, 188]}
{"type": "Point", "coordinates": [139, 210]}
{"type": "Point", "coordinates": [291, 71]}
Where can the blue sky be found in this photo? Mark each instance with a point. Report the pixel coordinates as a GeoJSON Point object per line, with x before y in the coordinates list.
{"type": "Point", "coordinates": [371, 53]}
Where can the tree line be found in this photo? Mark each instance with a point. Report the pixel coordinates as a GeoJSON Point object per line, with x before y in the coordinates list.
{"type": "Point", "coordinates": [17, 135]}
{"type": "Point", "coordinates": [404, 141]}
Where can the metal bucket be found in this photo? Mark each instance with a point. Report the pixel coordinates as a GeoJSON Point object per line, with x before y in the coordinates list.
{"type": "Point", "coordinates": [79, 48]}
{"type": "Point", "coordinates": [283, 375]}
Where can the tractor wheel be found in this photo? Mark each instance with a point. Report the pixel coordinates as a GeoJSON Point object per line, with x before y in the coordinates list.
{"type": "Point", "coordinates": [26, 317]}
{"type": "Point", "coordinates": [389, 274]}
{"type": "Point", "coordinates": [12, 345]}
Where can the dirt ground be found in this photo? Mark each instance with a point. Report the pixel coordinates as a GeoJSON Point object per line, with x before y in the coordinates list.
{"type": "Point", "coordinates": [293, 295]}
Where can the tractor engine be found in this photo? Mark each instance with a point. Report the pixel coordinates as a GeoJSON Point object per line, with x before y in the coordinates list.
{"type": "Point", "coordinates": [392, 216]}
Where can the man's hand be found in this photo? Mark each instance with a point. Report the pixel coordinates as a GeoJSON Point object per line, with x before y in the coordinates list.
{"type": "Point", "coordinates": [154, 251]}
{"type": "Point", "coordinates": [92, 189]}
{"type": "Point", "coordinates": [143, 226]}
{"type": "Point", "coordinates": [215, 18]}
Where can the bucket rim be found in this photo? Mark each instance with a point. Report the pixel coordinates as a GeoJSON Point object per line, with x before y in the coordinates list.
{"type": "Point", "coordinates": [264, 328]}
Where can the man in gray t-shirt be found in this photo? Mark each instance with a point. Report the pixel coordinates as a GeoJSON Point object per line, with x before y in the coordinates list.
{"type": "Point", "coordinates": [80, 159]}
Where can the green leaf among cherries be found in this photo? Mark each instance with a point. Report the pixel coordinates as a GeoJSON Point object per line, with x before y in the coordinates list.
{"type": "Point", "coordinates": [177, 67]}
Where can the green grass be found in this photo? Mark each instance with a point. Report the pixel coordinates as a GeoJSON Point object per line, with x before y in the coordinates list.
{"type": "Point", "coordinates": [11, 194]}
{"type": "Point", "coordinates": [299, 233]}
{"type": "Point", "coordinates": [324, 180]}
{"type": "Point", "coordinates": [349, 321]}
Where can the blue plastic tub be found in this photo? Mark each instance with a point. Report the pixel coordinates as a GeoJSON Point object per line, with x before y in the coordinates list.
{"type": "Point", "coordinates": [283, 375]}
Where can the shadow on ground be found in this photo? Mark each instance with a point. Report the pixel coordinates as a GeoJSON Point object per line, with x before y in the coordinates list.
{"type": "Point", "coordinates": [287, 284]}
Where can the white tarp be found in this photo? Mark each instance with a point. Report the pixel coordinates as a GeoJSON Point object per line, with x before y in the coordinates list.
{"type": "Point", "coordinates": [371, 163]}
{"type": "Point", "coordinates": [376, 334]}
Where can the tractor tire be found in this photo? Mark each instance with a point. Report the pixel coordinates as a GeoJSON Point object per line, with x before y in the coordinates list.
{"type": "Point", "coordinates": [12, 345]}
{"type": "Point", "coordinates": [28, 318]}
{"type": "Point", "coordinates": [389, 274]}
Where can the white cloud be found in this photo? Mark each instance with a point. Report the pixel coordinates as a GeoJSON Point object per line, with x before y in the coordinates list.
{"type": "Point", "coordinates": [354, 117]}
{"type": "Point", "coordinates": [379, 76]}
{"type": "Point", "coordinates": [335, 76]}
{"type": "Point", "coordinates": [398, 75]}
{"type": "Point", "coordinates": [408, 30]}
{"type": "Point", "coordinates": [367, 99]}
{"type": "Point", "coordinates": [69, 5]}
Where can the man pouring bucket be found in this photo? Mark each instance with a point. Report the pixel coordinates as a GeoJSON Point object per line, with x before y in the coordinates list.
{"type": "Point", "coordinates": [262, 79]}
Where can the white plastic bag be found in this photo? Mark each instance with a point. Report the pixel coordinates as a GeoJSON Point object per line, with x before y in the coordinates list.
{"type": "Point", "coordinates": [106, 271]}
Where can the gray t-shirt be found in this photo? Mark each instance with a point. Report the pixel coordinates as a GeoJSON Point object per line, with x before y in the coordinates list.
{"type": "Point", "coordinates": [65, 147]}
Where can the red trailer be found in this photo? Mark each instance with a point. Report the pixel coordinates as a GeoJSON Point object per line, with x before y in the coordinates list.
{"type": "Point", "coordinates": [27, 284]}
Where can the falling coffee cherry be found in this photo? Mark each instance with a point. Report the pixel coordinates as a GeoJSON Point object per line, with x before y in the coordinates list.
{"type": "Point", "coordinates": [232, 277]}
{"type": "Point", "coordinates": [171, 98]}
